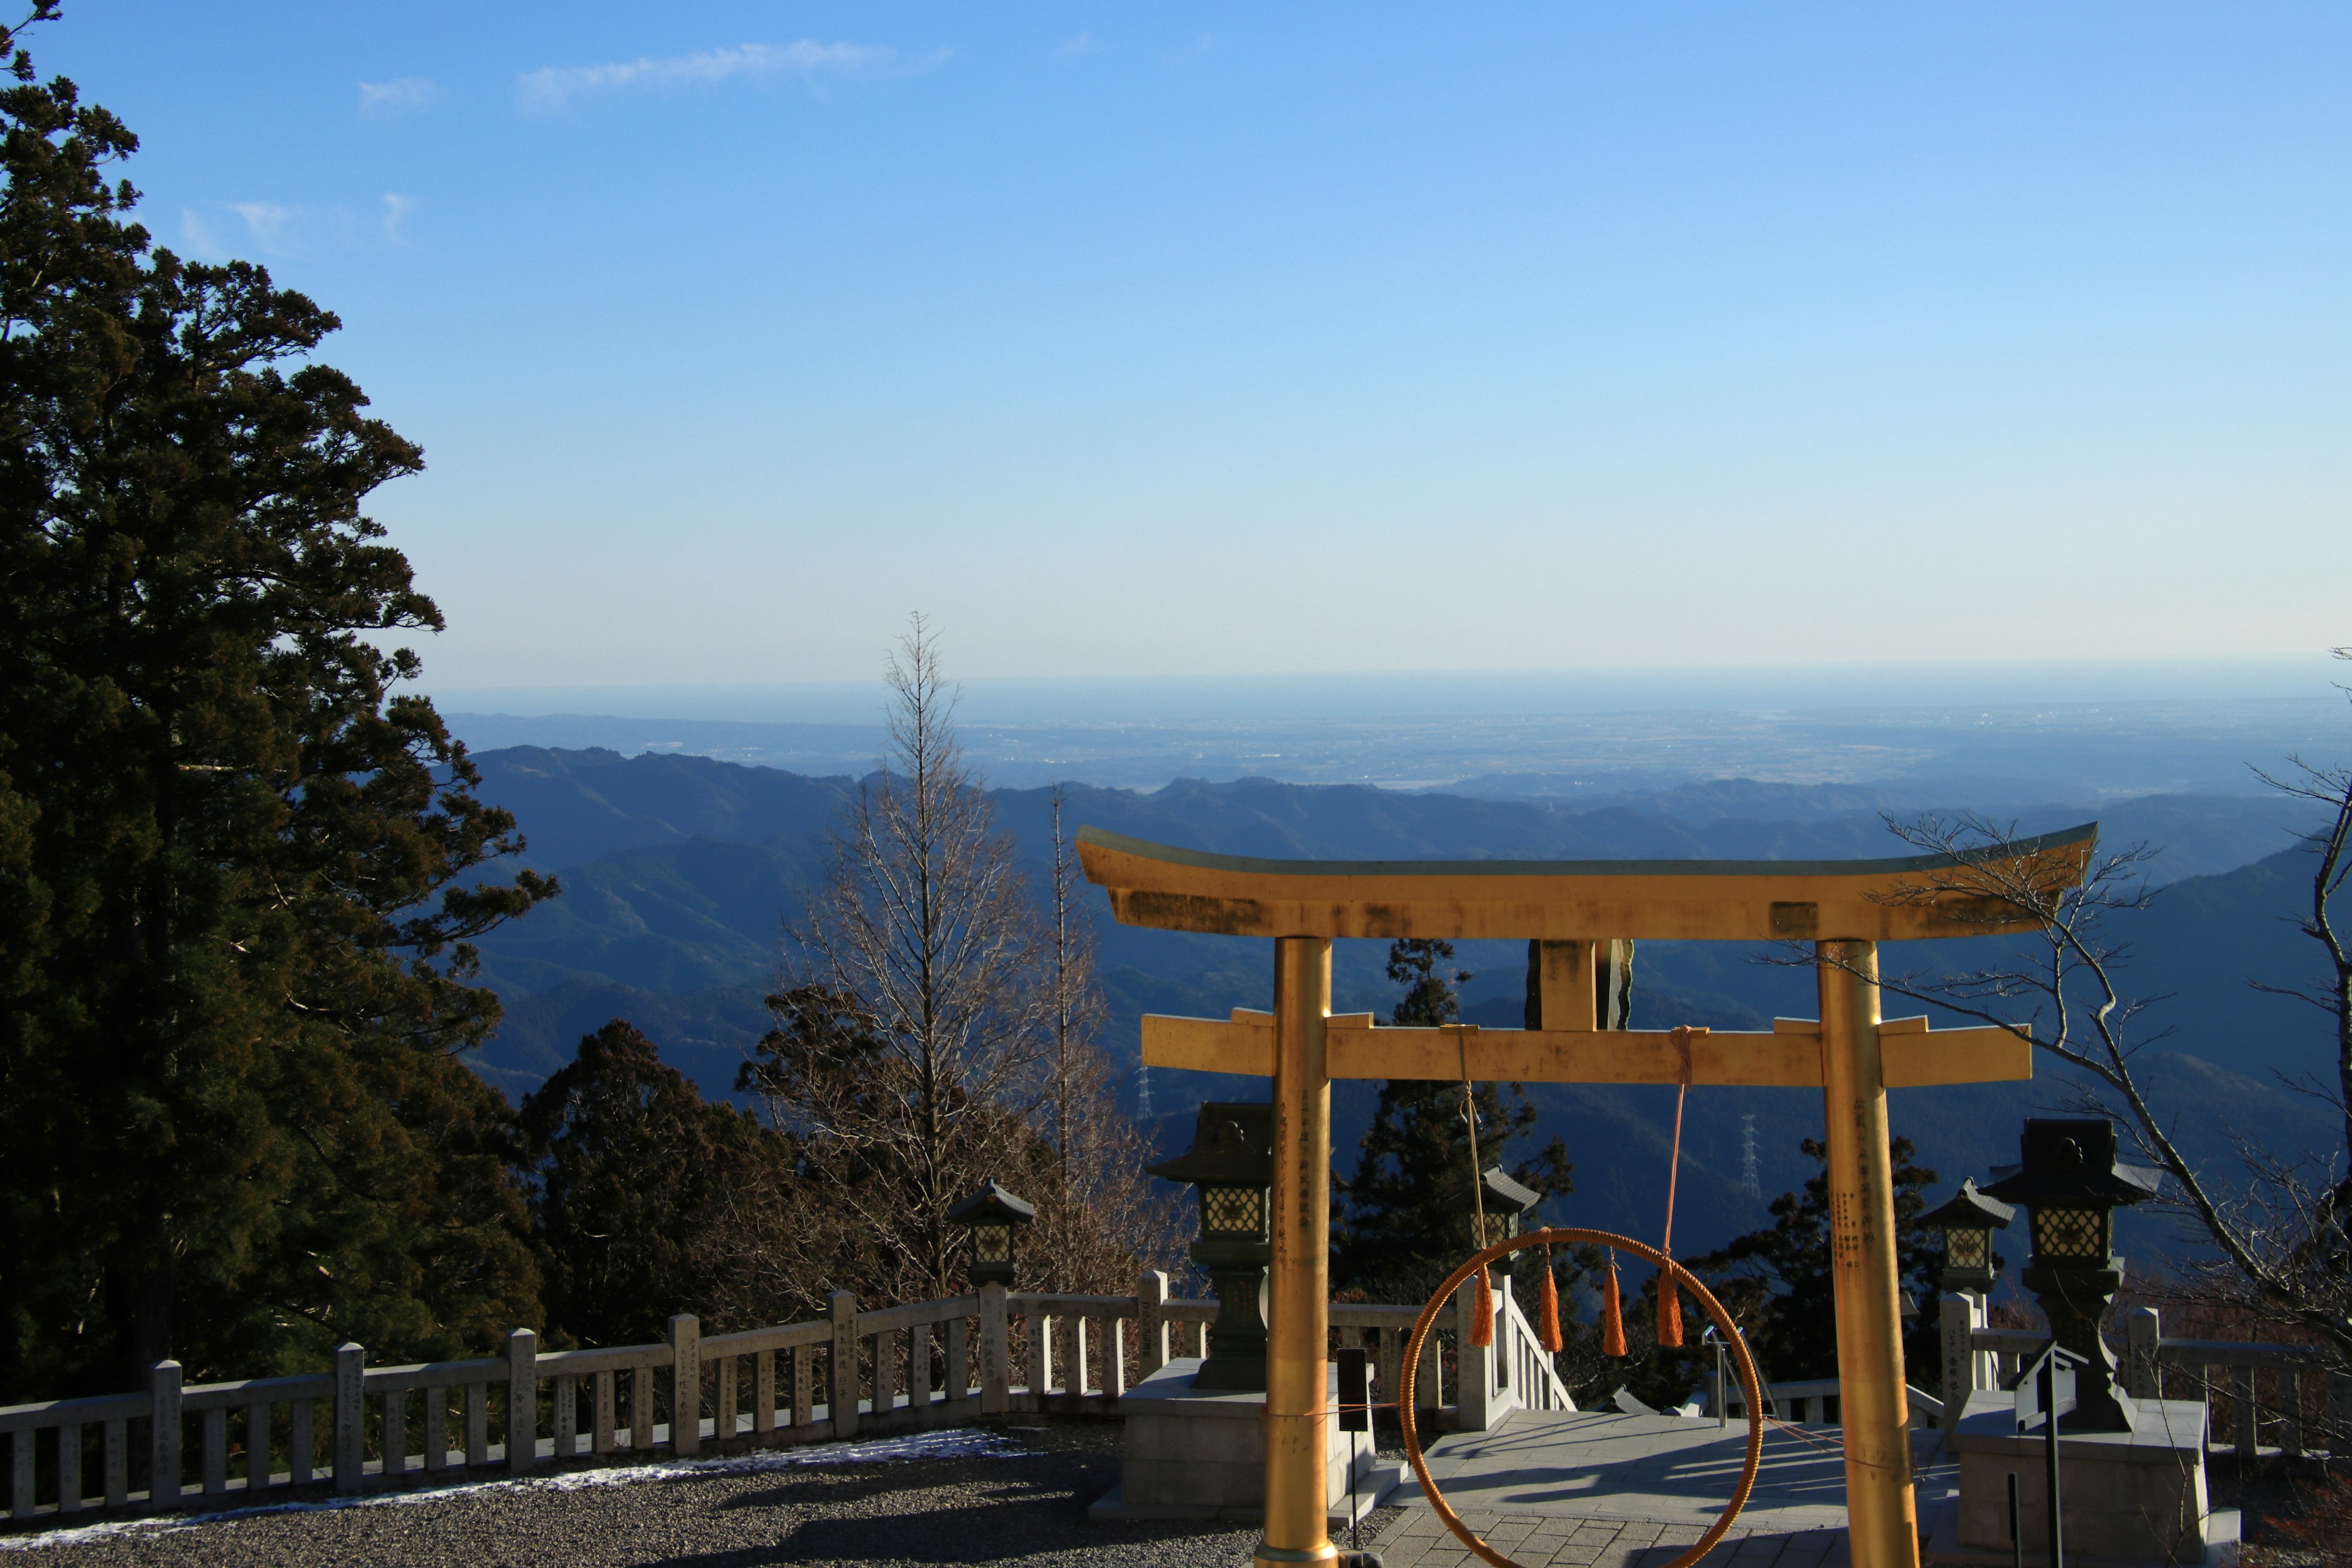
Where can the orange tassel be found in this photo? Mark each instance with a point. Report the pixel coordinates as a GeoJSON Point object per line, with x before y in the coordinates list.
{"type": "Point", "coordinates": [1670, 1313]}
{"type": "Point", "coordinates": [1612, 1320]}
{"type": "Point", "coordinates": [1548, 1332]}
{"type": "Point", "coordinates": [1482, 1325]}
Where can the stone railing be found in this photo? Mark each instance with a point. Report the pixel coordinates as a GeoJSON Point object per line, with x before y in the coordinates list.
{"type": "Point", "coordinates": [940, 1363]}
{"type": "Point", "coordinates": [1519, 1373]}
{"type": "Point", "coordinates": [2276, 1385]}
{"type": "Point", "coordinates": [1809, 1401]}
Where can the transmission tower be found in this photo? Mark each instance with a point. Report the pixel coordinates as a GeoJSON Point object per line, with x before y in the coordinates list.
{"type": "Point", "coordinates": [1747, 1181]}
{"type": "Point", "coordinates": [1143, 1094]}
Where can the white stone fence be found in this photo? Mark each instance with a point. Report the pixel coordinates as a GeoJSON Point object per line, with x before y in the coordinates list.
{"type": "Point", "coordinates": [928, 1363]}
{"type": "Point", "coordinates": [2275, 1386]}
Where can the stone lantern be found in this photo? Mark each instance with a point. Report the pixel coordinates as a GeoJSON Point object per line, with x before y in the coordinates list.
{"type": "Point", "coordinates": [1505, 1203]}
{"type": "Point", "coordinates": [1231, 1166]}
{"type": "Point", "coordinates": [2071, 1186]}
{"type": "Point", "coordinates": [994, 1216]}
{"type": "Point", "coordinates": [1968, 1222]}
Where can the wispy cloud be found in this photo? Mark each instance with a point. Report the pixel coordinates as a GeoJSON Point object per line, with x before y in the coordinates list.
{"type": "Point", "coordinates": [198, 237]}
{"type": "Point", "coordinates": [378, 98]}
{"type": "Point", "coordinates": [396, 210]}
{"type": "Point", "coordinates": [552, 88]}
{"type": "Point", "coordinates": [270, 225]}
{"type": "Point", "coordinates": [1084, 44]}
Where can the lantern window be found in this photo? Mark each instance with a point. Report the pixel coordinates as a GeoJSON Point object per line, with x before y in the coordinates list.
{"type": "Point", "coordinates": [2070, 1232]}
{"type": "Point", "coordinates": [1967, 1248]}
{"type": "Point", "coordinates": [1233, 1211]}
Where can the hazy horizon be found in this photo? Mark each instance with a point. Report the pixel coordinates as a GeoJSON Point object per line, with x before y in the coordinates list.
{"type": "Point", "coordinates": [2024, 734]}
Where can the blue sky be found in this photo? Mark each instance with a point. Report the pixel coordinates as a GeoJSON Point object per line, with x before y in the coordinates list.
{"type": "Point", "coordinates": [1210, 340]}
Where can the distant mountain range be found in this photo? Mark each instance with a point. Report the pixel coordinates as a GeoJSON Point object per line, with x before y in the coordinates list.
{"type": "Point", "coordinates": [680, 872]}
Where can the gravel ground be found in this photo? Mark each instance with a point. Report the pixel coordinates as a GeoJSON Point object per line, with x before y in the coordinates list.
{"type": "Point", "coordinates": [1022, 1503]}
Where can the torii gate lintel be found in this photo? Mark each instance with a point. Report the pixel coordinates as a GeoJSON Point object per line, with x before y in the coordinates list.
{"type": "Point", "coordinates": [1576, 909]}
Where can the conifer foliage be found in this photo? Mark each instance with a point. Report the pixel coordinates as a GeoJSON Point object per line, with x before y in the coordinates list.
{"type": "Point", "coordinates": [1409, 1221]}
{"type": "Point", "coordinates": [1776, 1281]}
{"type": "Point", "coordinates": [633, 1176]}
{"type": "Point", "coordinates": [238, 874]}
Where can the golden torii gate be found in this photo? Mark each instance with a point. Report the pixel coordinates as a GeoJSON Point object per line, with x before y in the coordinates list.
{"type": "Point", "coordinates": [1575, 908]}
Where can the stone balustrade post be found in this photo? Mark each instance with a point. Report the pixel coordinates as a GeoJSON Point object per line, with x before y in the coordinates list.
{"type": "Point", "coordinates": [1151, 1319]}
{"type": "Point", "coordinates": [1960, 1315]}
{"type": "Point", "coordinates": [2143, 1336]}
{"type": "Point", "coordinates": [164, 1442]}
{"type": "Point", "coordinates": [995, 1347]}
{"type": "Point", "coordinates": [522, 1400]}
{"type": "Point", "coordinates": [351, 1417]}
{"type": "Point", "coordinates": [1474, 1394]}
{"type": "Point", "coordinates": [842, 1306]}
{"type": "Point", "coordinates": [685, 1384]}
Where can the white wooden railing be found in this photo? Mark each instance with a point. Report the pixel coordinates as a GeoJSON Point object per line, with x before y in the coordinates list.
{"type": "Point", "coordinates": [940, 1363]}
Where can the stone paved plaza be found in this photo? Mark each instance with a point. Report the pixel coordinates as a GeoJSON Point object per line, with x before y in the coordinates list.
{"type": "Point", "coordinates": [1600, 1490]}
{"type": "Point", "coordinates": [1416, 1539]}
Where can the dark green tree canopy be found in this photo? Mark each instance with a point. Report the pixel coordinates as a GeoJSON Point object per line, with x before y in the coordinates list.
{"type": "Point", "coordinates": [239, 876]}
{"type": "Point", "coordinates": [1408, 1221]}
{"type": "Point", "coordinates": [633, 1171]}
{"type": "Point", "coordinates": [1776, 1281]}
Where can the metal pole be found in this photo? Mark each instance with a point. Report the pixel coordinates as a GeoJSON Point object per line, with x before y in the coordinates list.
{"type": "Point", "coordinates": [1881, 1514]}
{"type": "Point", "coordinates": [2016, 1527]}
{"type": "Point", "coordinates": [2049, 1460]}
{"type": "Point", "coordinates": [1299, 1284]}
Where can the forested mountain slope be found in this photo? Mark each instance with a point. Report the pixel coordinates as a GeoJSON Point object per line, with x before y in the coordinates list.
{"type": "Point", "coordinates": [679, 872]}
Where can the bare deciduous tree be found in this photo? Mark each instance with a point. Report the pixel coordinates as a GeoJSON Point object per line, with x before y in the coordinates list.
{"type": "Point", "coordinates": [2281, 1228]}
{"type": "Point", "coordinates": [1099, 1217]}
{"type": "Point", "coordinates": [909, 1022]}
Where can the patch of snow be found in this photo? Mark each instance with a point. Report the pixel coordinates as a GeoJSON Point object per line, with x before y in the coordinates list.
{"type": "Point", "coordinates": [951, 1443]}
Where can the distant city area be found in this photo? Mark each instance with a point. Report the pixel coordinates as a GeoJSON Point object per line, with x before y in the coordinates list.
{"type": "Point", "coordinates": [1990, 754]}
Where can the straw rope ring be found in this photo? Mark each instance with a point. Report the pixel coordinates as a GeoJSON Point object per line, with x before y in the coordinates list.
{"type": "Point", "coordinates": [1681, 1277]}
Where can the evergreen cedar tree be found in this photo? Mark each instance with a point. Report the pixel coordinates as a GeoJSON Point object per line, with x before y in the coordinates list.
{"type": "Point", "coordinates": [1776, 1281]}
{"type": "Point", "coordinates": [1408, 1221]}
{"type": "Point", "coordinates": [239, 877]}
{"type": "Point", "coordinates": [633, 1169]}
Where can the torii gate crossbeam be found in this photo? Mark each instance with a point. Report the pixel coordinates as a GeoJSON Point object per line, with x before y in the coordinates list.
{"type": "Point", "coordinates": [1574, 908]}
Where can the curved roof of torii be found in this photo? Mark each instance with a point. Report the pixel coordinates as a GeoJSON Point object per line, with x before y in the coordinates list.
{"type": "Point", "coordinates": [1880, 901]}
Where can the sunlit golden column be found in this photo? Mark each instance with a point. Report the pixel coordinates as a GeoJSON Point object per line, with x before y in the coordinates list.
{"type": "Point", "coordinates": [1882, 1515]}
{"type": "Point", "coordinates": [1299, 1282]}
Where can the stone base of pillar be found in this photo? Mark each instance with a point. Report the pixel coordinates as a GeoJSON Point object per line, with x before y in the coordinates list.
{"type": "Point", "coordinates": [2131, 1500]}
{"type": "Point", "coordinates": [1197, 1453]}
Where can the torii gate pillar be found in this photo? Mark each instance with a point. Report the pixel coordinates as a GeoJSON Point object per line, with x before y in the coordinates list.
{"type": "Point", "coordinates": [1298, 1331]}
{"type": "Point", "coordinates": [1882, 1511]}
{"type": "Point", "coordinates": [1844, 908]}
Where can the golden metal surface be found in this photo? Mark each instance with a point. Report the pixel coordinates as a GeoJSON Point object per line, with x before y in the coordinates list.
{"type": "Point", "coordinates": [1791, 1056]}
{"type": "Point", "coordinates": [1881, 1511]}
{"type": "Point", "coordinates": [1297, 1327]}
{"type": "Point", "coordinates": [1887, 900]}
{"type": "Point", "coordinates": [1570, 1237]}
